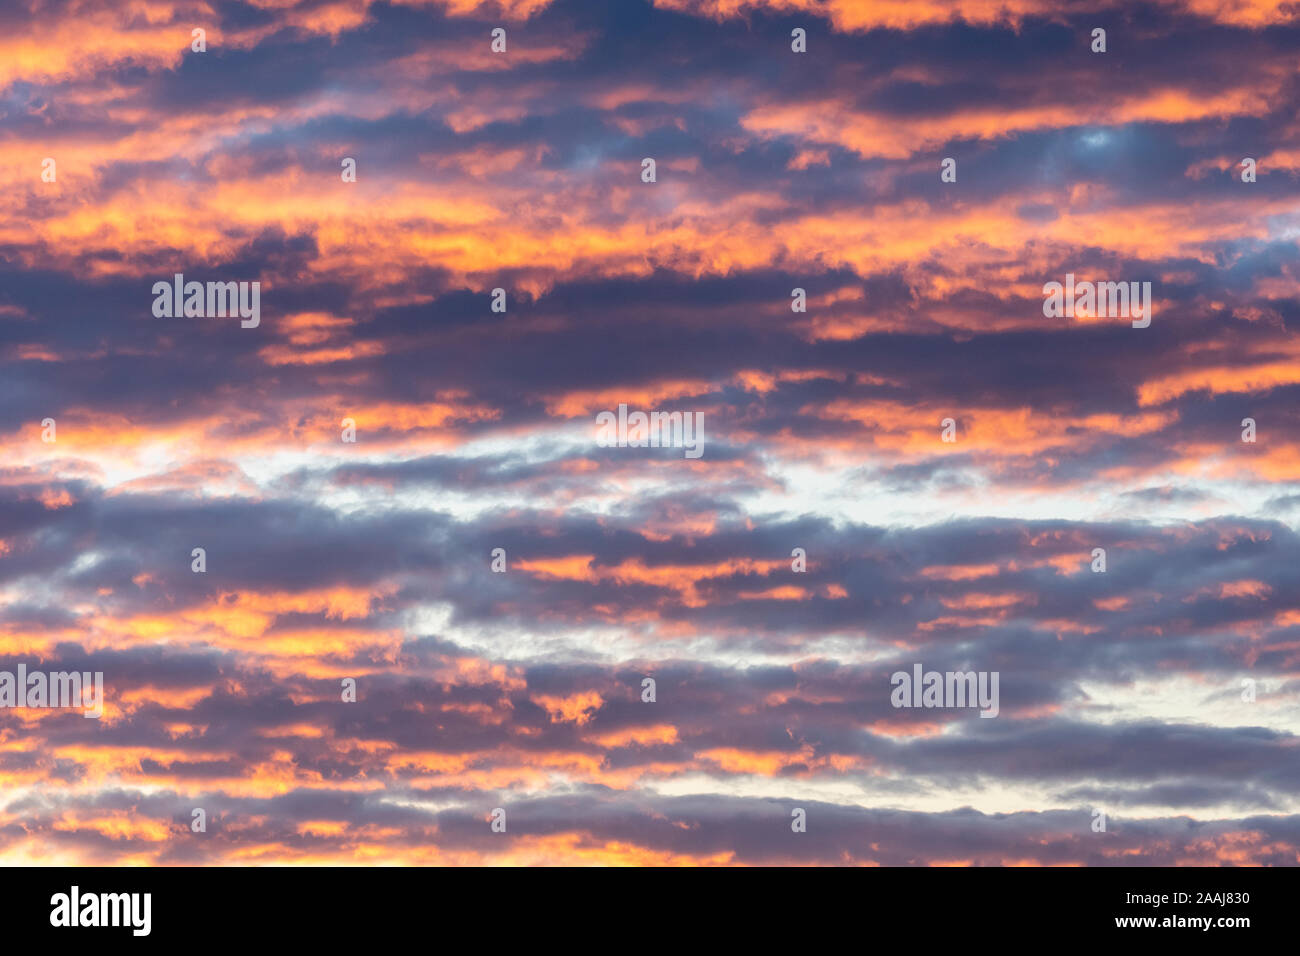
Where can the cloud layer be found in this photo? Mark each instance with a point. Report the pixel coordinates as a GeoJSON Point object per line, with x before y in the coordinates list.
{"type": "Point", "coordinates": [1127, 692]}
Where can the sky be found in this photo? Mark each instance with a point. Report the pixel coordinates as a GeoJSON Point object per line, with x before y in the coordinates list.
{"type": "Point", "coordinates": [918, 467]}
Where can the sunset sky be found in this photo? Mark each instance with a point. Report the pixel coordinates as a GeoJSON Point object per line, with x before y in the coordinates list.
{"type": "Point", "coordinates": [1120, 691]}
